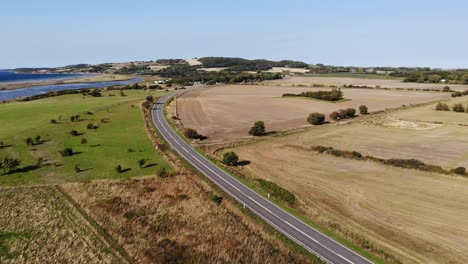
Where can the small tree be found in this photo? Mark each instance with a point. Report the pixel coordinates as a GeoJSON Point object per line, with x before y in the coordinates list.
{"type": "Point", "coordinates": [446, 89]}
{"type": "Point", "coordinates": [191, 133]}
{"type": "Point", "coordinates": [442, 107]}
{"type": "Point", "coordinates": [53, 121]}
{"type": "Point", "coordinates": [77, 169]}
{"type": "Point", "coordinates": [118, 169]}
{"type": "Point", "coordinates": [66, 152]}
{"type": "Point", "coordinates": [363, 110]}
{"type": "Point", "coordinates": [72, 118]}
{"type": "Point", "coordinates": [316, 118]}
{"type": "Point", "coordinates": [350, 112]}
{"type": "Point", "coordinates": [29, 141]}
{"type": "Point", "coordinates": [84, 141]}
{"type": "Point", "coordinates": [9, 164]}
{"type": "Point", "coordinates": [230, 158]}
{"type": "Point", "coordinates": [458, 108]}
{"type": "Point", "coordinates": [37, 139]}
{"type": "Point", "coordinates": [74, 133]}
{"type": "Point", "coordinates": [40, 162]}
{"type": "Point", "coordinates": [258, 129]}
{"type": "Point", "coordinates": [149, 98]}
{"type": "Point", "coordinates": [122, 93]}
{"type": "Point", "coordinates": [217, 199]}
{"type": "Point", "coordinates": [141, 163]}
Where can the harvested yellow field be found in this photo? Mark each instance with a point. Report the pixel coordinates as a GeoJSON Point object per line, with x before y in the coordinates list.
{"type": "Point", "coordinates": [228, 112]}
{"type": "Point", "coordinates": [414, 215]}
{"type": "Point", "coordinates": [340, 81]}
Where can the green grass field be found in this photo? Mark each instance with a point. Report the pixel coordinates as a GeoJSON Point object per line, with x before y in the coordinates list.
{"type": "Point", "coordinates": [120, 128]}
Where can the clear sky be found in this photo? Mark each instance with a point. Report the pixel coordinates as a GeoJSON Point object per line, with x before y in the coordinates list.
{"type": "Point", "coordinates": [360, 32]}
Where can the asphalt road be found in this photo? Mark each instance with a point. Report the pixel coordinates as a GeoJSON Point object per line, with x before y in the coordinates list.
{"type": "Point", "coordinates": [311, 239]}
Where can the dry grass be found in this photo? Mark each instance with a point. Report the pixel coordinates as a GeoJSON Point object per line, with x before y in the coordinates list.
{"type": "Point", "coordinates": [340, 81]}
{"type": "Point", "coordinates": [193, 62]}
{"type": "Point", "coordinates": [417, 216]}
{"type": "Point", "coordinates": [173, 220]}
{"type": "Point", "coordinates": [212, 110]}
{"type": "Point", "coordinates": [39, 225]}
{"type": "Point", "coordinates": [286, 69]}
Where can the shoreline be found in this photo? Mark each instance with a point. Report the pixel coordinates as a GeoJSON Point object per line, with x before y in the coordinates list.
{"type": "Point", "coordinates": [88, 78]}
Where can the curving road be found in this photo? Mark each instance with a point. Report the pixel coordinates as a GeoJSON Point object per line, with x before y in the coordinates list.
{"type": "Point", "coordinates": [311, 239]}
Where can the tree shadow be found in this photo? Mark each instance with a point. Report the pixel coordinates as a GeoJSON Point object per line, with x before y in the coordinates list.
{"type": "Point", "coordinates": [150, 165]}
{"type": "Point", "coordinates": [243, 163]}
{"type": "Point", "coordinates": [76, 153]}
{"type": "Point", "coordinates": [5, 146]}
{"type": "Point", "coordinates": [40, 142]}
{"type": "Point", "coordinates": [83, 170]}
{"type": "Point", "coordinates": [26, 169]}
{"type": "Point", "coordinates": [125, 170]}
{"type": "Point", "coordinates": [269, 133]}
{"type": "Point", "coordinates": [201, 137]}
{"type": "Point", "coordinates": [95, 145]}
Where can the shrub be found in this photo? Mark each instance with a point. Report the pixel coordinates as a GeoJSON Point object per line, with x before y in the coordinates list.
{"type": "Point", "coordinates": [53, 121]}
{"type": "Point", "coordinates": [118, 169]}
{"type": "Point", "coordinates": [162, 173]}
{"type": "Point", "coordinates": [74, 133]}
{"type": "Point", "coordinates": [91, 126]}
{"type": "Point", "coordinates": [277, 191]}
{"type": "Point", "coordinates": [141, 163]}
{"type": "Point", "coordinates": [459, 170]}
{"type": "Point", "coordinates": [363, 110]}
{"type": "Point", "coordinates": [191, 133]}
{"type": "Point", "coordinates": [29, 141]}
{"type": "Point", "coordinates": [350, 112]}
{"type": "Point", "coordinates": [442, 107]}
{"type": "Point", "coordinates": [84, 141]}
{"type": "Point", "coordinates": [334, 116]}
{"type": "Point", "coordinates": [66, 152]}
{"type": "Point", "coordinates": [149, 98]}
{"type": "Point", "coordinates": [217, 199]}
{"type": "Point", "coordinates": [458, 108]}
{"type": "Point", "coordinates": [456, 94]}
{"type": "Point", "coordinates": [77, 169]}
{"type": "Point", "coordinates": [230, 158]}
{"type": "Point", "coordinates": [95, 93]}
{"type": "Point", "coordinates": [446, 89]}
{"type": "Point", "coordinates": [316, 118]}
{"type": "Point", "coordinates": [258, 129]}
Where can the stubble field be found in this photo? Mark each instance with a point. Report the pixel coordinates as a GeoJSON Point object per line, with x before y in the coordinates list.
{"type": "Point", "coordinates": [228, 112]}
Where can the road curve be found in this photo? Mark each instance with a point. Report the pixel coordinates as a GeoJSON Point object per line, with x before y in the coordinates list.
{"type": "Point", "coordinates": [311, 239]}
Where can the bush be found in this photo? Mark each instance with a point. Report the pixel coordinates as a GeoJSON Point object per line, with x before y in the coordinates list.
{"type": "Point", "coordinates": [458, 108]}
{"type": "Point", "coordinates": [459, 170]}
{"type": "Point", "coordinates": [149, 98]}
{"type": "Point", "coordinates": [141, 163]}
{"type": "Point", "coordinates": [446, 89]}
{"type": "Point", "coordinates": [277, 191]}
{"type": "Point", "coordinates": [66, 152]}
{"type": "Point", "coordinates": [74, 133]}
{"type": "Point", "coordinates": [333, 95]}
{"type": "Point", "coordinates": [334, 116]}
{"type": "Point", "coordinates": [162, 173]}
{"type": "Point", "coordinates": [217, 199]}
{"type": "Point", "coordinates": [258, 129]}
{"type": "Point", "coordinates": [191, 133]}
{"type": "Point", "coordinates": [363, 110]}
{"type": "Point", "coordinates": [84, 141]}
{"type": "Point", "coordinates": [91, 126]}
{"type": "Point", "coordinates": [53, 121]}
{"type": "Point", "coordinates": [95, 93]}
{"type": "Point", "coordinates": [29, 141]}
{"type": "Point", "coordinates": [316, 118]}
{"type": "Point", "coordinates": [118, 169]}
{"type": "Point", "coordinates": [230, 158]}
{"type": "Point", "coordinates": [442, 107]}
{"type": "Point", "coordinates": [350, 112]}
{"type": "Point", "coordinates": [457, 94]}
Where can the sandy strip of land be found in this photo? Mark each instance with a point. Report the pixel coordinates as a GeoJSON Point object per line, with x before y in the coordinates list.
{"type": "Point", "coordinates": [84, 79]}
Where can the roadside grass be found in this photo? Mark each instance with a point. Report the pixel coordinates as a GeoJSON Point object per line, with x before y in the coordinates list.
{"type": "Point", "coordinates": [279, 203]}
{"type": "Point", "coordinates": [119, 139]}
{"type": "Point", "coordinates": [39, 225]}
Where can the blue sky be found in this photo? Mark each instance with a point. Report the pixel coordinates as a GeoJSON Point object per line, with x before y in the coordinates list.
{"type": "Point", "coordinates": [361, 32]}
